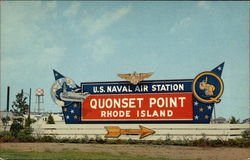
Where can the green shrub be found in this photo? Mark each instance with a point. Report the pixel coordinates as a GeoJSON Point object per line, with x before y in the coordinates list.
{"type": "Point", "coordinates": [179, 142]}
{"type": "Point", "coordinates": [63, 140]}
{"type": "Point", "coordinates": [47, 139]}
{"type": "Point", "coordinates": [242, 142]}
{"type": "Point", "coordinates": [7, 139]}
{"type": "Point", "coordinates": [112, 141]}
{"type": "Point", "coordinates": [22, 136]}
{"type": "Point", "coordinates": [92, 141]}
{"type": "Point", "coordinates": [119, 141]}
{"type": "Point", "coordinates": [15, 128]}
{"type": "Point", "coordinates": [27, 122]}
{"type": "Point", "coordinates": [216, 143]}
{"type": "Point", "coordinates": [131, 141]}
{"type": "Point", "coordinates": [246, 143]}
{"type": "Point", "coordinates": [246, 134]}
{"type": "Point", "coordinates": [74, 140]}
{"type": "Point", "coordinates": [26, 138]}
{"type": "Point", "coordinates": [203, 141]}
{"type": "Point", "coordinates": [99, 139]}
{"type": "Point", "coordinates": [50, 119]}
{"type": "Point", "coordinates": [231, 142]}
{"type": "Point", "coordinates": [85, 139]}
{"type": "Point", "coordinates": [5, 133]}
{"type": "Point", "coordinates": [149, 142]}
{"type": "Point", "coordinates": [158, 142]}
{"type": "Point", "coordinates": [27, 130]}
{"type": "Point", "coordinates": [237, 143]}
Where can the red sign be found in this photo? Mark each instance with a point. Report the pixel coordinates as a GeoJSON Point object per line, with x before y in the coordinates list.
{"type": "Point", "coordinates": [163, 106]}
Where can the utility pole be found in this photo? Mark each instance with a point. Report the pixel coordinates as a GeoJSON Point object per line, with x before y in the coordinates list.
{"type": "Point", "coordinates": [8, 99]}
{"type": "Point", "coordinates": [29, 94]}
{"type": "Point", "coordinates": [29, 101]}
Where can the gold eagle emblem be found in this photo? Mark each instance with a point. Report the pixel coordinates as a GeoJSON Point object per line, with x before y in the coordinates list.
{"type": "Point", "coordinates": [135, 78]}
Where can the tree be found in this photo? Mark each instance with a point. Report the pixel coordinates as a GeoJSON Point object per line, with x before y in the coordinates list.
{"type": "Point", "coordinates": [29, 121]}
{"type": "Point", "coordinates": [233, 120]}
{"type": "Point", "coordinates": [27, 125]}
{"type": "Point", "coordinates": [20, 107]}
{"type": "Point", "coordinates": [50, 119]}
{"type": "Point", "coordinates": [15, 128]}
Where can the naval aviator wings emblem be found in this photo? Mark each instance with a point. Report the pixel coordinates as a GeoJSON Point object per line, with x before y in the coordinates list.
{"type": "Point", "coordinates": [135, 78]}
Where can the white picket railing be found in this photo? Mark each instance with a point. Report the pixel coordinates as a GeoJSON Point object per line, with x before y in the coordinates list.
{"type": "Point", "coordinates": [162, 131]}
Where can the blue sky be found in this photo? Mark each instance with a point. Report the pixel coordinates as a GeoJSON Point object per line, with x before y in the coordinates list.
{"type": "Point", "coordinates": [93, 41]}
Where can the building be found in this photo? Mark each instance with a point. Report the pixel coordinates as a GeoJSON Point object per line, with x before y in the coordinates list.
{"type": "Point", "coordinates": [220, 120]}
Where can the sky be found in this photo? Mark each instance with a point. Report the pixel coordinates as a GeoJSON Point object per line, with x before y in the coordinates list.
{"type": "Point", "coordinates": [93, 41]}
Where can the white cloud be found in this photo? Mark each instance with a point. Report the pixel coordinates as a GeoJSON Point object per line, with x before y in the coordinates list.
{"type": "Point", "coordinates": [52, 4]}
{"type": "Point", "coordinates": [52, 56]}
{"type": "Point", "coordinates": [30, 38]}
{"type": "Point", "coordinates": [182, 24]}
{"type": "Point", "coordinates": [21, 25]}
{"type": "Point", "coordinates": [100, 48]}
{"type": "Point", "coordinates": [204, 4]}
{"type": "Point", "coordinates": [72, 10]}
{"type": "Point", "coordinates": [94, 25]}
{"type": "Point", "coordinates": [13, 16]}
{"type": "Point", "coordinates": [40, 58]}
{"type": "Point", "coordinates": [25, 42]}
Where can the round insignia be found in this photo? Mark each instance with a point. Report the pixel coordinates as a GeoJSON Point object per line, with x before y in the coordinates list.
{"type": "Point", "coordinates": [208, 87]}
{"type": "Point", "coordinates": [57, 89]}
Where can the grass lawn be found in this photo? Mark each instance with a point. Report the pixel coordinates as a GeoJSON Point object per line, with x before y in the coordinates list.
{"type": "Point", "coordinates": [72, 154]}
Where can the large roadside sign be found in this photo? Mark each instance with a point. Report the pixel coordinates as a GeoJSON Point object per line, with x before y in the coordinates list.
{"type": "Point", "coordinates": [147, 101]}
{"type": "Point", "coordinates": [150, 101]}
